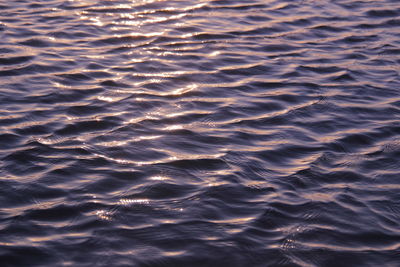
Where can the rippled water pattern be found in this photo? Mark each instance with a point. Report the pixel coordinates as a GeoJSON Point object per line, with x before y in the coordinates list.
{"type": "Point", "coordinates": [200, 133]}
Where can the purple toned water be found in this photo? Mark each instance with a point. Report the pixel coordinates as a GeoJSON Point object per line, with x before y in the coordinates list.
{"type": "Point", "coordinates": [200, 133]}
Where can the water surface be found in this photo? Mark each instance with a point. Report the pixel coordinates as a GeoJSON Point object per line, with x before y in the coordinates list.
{"type": "Point", "coordinates": [200, 133]}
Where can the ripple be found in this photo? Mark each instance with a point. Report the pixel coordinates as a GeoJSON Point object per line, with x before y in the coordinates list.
{"type": "Point", "coordinates": [170, 133]}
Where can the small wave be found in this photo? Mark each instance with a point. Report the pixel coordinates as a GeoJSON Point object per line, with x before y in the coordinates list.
{"type": "Point", "coordinates": [217, 133]}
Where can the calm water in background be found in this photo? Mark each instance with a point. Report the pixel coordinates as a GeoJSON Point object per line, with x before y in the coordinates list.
{"type": "Point", "coordinates": [200, 133]}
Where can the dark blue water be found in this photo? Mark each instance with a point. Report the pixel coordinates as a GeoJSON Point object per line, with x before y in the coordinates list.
{"type": "Point", "coordinates": [200, 133]}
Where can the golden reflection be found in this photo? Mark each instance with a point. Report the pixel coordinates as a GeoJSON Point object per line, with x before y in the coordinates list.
{"type": "Point", "coordinates": [160, 74]}
{"type": "Point", "coordinates": [134, 162]}
{"type": "Point", "coordinates": [113, 143]}
{"type": "Point", "coordinates": [214, 54]}
{"type": "Point", "coordinates": [140, 34]}
{"type": "Point", "coordinates": [159, 178]}
{"type": "Point", "coordinates": [387, 186]}
{"type": "Point", "coordinates": [320, 197]}
{"type": "Point", "coordinates": [127, 201]}
{"type": "Point", "coordinates": [125, 142]}
{"type": "Point", "coordinates": [54, 237]}
{"type": "Point", "coordinates": [173, 253]}
{"type": "Point", "coordinates": [212, 184]}
{"type": "Point", "coordinates": [176, 92]}
{"type": "Point", "coordinates": [360, 248]}
{"type": "Point", "coordinates": [177, 114]}
{"type": "Point", "coordinates": [173, 127]}
{"type": "Point", "coordinates": [137, 120]}
{"type": "Point", "coordinates": [107, 98]}
{"type": "Point", "coordinates": [149, 81]}
{"type": "Point", "coordinates": [184, 90]}
{"type": "Point", "coordinates": [172, 157]}
{"type": "Point", "coordinates": [104, 215]}
{"type": "Point", "coordinates": [149, 137]}
{"type": "Point", "coordinates": [243, 220]}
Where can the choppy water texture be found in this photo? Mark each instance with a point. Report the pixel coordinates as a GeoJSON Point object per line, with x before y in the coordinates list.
{"type": "Point", "coordinates": [200, 133]}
